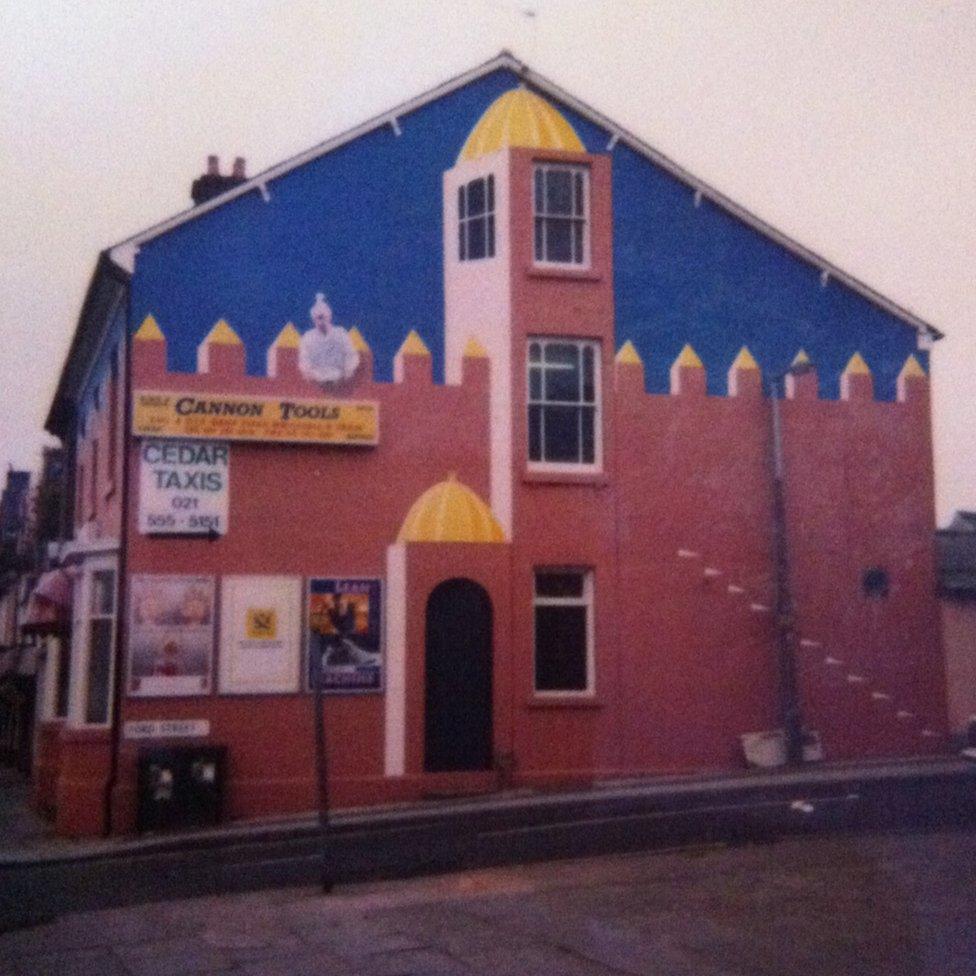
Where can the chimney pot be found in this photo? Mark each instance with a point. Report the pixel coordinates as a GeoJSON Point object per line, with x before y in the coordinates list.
{"type": "Point", "coordinates": [213, 166]}
{"type": "Point", "coordinates": [239, 165]}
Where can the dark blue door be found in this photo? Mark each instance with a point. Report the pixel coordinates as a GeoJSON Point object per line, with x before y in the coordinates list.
{"type": "Point", "coordinates": [457, 716]}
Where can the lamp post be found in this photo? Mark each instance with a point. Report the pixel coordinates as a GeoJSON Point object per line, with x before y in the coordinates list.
{"type": "Point", "coordinates": [789, 699]}
{"type": "Point", "coordinates": [322, 769]}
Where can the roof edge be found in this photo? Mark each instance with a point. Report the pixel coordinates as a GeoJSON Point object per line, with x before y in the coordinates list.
{"type": "Point", "coordinates": [123, 254]}
{"type": "Point", "coordinates": [60, 411]}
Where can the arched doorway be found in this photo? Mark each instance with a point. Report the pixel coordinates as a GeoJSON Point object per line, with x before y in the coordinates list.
{"type": "Point", "coordinates": [457, 712]}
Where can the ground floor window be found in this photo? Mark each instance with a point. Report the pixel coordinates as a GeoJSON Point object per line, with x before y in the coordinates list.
{"type": "Point", "coordinates": [101, 634]}
{"type": "Point", "coordinates": [94, 630]}
{"type": "Point", "coordinates": [563, 631]}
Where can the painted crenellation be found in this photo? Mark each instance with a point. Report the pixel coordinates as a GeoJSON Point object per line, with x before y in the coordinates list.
{"type": "Point", "coordinates": [222, 355]}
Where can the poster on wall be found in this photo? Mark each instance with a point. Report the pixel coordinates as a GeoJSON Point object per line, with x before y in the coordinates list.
{"type": "Point", "coordinates": [345, 633]}
{"type": "Point", "coordinates": [171, 635]}
{"type": "Point", "coordinates": [260, 634]}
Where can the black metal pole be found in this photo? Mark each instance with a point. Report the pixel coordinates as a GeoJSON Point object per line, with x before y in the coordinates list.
{"type": "Point", "coordinates": [789, 698]}
{"type": "Point", "coordinates": [322, 772]}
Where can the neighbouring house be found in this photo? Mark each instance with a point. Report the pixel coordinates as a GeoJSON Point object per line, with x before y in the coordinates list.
{"type": "Point", "coordinates": [956, 547]}
{"type": "Point", "coordinates": [465, 415]}
{"type": "Point", "coordinates": [17, 660]}
{"type": "Point", "coordinates": [35, 604]}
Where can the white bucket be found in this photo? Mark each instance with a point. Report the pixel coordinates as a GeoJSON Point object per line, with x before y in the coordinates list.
{"type": "Point", "coordinates": [812, 747]}
{"type": "Point", "coordinates": [764, 749]}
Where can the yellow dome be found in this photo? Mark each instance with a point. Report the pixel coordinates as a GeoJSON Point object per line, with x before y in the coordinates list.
{"type": "Point", "coordinates": [520, 118]}
{"type": "Point", "coordinates": [450, 512]}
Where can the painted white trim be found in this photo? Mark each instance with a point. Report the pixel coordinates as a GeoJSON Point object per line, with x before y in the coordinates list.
{"type": "Point", "coordinates": [86, 548]}
{"type": "Point", "coordinates": [395, 702]}
{"type": "Point", "coordinates": [124, 253]}
{"type": "Point", "coordinates": [48, 683]}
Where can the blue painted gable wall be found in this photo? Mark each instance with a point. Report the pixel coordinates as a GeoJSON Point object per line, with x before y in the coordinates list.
{"type": "Point", "coordinates": [363, 224]}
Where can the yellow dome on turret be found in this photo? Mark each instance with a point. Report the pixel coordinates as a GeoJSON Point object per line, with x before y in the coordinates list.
{"type": "Point", "coordinates": [520, 118]}
{"type": "Point", "coordinates": [450, 512]}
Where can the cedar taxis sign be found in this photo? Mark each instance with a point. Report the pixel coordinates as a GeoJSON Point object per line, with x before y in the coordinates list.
{"type": "Point", "coordinates": [183, 487]}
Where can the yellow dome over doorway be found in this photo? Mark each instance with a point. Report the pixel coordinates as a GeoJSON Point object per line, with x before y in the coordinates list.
{"type": "Point", "coordinates": [520, 118]}
{"type": "Point", "coordinates": [450, 512]}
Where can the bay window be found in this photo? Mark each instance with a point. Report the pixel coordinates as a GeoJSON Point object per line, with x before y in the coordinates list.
{"type": "Point", "coordinates": [476, 219]}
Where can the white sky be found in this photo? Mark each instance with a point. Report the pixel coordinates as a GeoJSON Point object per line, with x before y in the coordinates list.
{"type": "Point", "coordinates": [849, 125]}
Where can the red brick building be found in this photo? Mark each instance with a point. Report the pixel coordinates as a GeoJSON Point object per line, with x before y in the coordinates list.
{"type": "Point", "coordinates": [559, 564]}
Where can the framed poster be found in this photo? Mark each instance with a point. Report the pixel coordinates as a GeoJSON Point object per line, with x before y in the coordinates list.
{"type": "Point", "coordinates": [260, 634]}
{"type": "Point", "coordinates": [345, 632]}
{"type": "Point", "coordinates": [171, 635]}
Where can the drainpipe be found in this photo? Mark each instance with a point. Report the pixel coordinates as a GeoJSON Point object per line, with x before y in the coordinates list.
{"type": "Point", "coordinates": [789, 698]}
{"type": "Point", "coordinates": [122, 568]}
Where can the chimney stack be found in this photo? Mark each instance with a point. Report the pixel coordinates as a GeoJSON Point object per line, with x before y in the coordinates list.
{"type": "Point", "coordinates": [212, 183]}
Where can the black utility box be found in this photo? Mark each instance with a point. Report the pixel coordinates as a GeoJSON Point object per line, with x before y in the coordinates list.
{"type": "Point", "coordinates": [180, 786]}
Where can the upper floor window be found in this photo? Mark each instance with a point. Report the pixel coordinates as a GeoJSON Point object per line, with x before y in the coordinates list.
{"type": "Point", "coordinates": [564, 399]}
{"type": "Point", "coordinates": [93, 493]}
{"type": "Point", "coordinates": [113, 419]}
{"type": "Point", "coordinates": [80, 487]}
{"type": "Point", "coordinates": [561, 214]}
{"type": "Point", "coordinates": [476, 219]}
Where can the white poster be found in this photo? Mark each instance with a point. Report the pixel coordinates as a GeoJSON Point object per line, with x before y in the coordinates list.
{"type": "Point", "coordinates": [183, 487]}
{"type": "Point", "coordinates": [171, 633]}
{"type": "Point", "coordinates": [260, 634]}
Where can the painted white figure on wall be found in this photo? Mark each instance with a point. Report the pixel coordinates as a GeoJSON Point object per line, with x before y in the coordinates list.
{"type": "Point", "coordinates": [326, 353]}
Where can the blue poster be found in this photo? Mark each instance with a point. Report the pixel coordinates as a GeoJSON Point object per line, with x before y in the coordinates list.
{"type": "Point", "coordinates": [345, 634]}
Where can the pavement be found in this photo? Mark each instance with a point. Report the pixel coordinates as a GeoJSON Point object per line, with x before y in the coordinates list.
{"type": "Point", "coordinates": [825, 905]}
{"type": "Point", "coordinates": [42, 878]}
{"type": "Point", "coordinates": [21, 829]}
{"type": "Point", "coordinates": [26, 837]}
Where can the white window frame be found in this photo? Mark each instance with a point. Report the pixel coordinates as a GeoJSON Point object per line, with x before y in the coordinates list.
{"type": "Point", "coordinates": [81, 643]}
{"type": "Point", "coordinates": [588, 467]}
{"type": "Point", "coordinates": [584, 218]}
{"type": "Point", "coordinates": [488, 215]}
{"type": "Point", "coordinates": [586, 600]}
